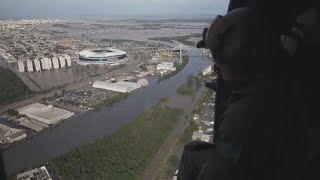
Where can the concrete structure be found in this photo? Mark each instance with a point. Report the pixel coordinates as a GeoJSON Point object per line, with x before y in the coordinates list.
{"type": "Point", "coordinates": [205, 138]}
{"type": "Point", "coordinates": [112, 86]}
{"type": "Point", "coordinates": [49, 62]}
{"type": "Point", "coordinates": [30, 125]}
{"type": "Point", "coordinates": [68, 59]}
{"type": "Point", "coordinates": [62, 61]}
{"type": "Point", "coordinates": [197, 136]}
{"type": "Point", "coordinates": [35, 174]}
{"type": "Point", "coordinates": [55, 63]}
{"type": "Point", "coordinates": [10, 135]}
{"type": "Point", "coordinates": [102, 56]}
{"type": "Point", "coordinates": [21, 66]}
{"type": "Point", "coordinates": [143, 82]}
{"type": "Point", "coordinates": [130, 84]}
{"type": "Point", "coordinates": [37, 65]}
{"type": "Point", "coordinates": [207, 70]}
{"type": "Point", "coordinates": [46, 114]}
{"type": "Point", "coordinates": [44, 63]}
{"type": "Point", "coordinates": [167, 66]}
{"type": "Point", "coordinates": [29, 66]}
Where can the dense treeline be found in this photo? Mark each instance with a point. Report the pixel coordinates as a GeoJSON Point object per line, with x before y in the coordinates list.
{"type": "Point", "coordinates": [12, 88]}
{"type": "Point", "coordinates": [124, 154]}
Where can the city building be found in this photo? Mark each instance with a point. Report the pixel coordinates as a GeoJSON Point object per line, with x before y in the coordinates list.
{"type": "Point", "coordinates": [167, 66]}
{"type": "Point", "coordinates": [37, 65]}
{"type": "Point", "coordinates": [207, 70]}
{"type": "Point", "coordinates": [55, 63]}
{"type": "Point", "coordinates": [30, 66]}
{"type": "Point", "coordinates": [62, 61]}
{"type": "Point", "coordinates": [102, 56]}
{"type": "Point", "coordinates": [46, 114]}
{"type": "Point", "coordinates": [35, 174]}
{"type": "Point", "coordinates": [21, 66]}
{"type": "Point", "coordinates": [44, 63]}
{"type": "Point", "coordinates": [68, 58]}
{"type": "Point", "coordinates": [49, 63]}
{"type": "Point", "coordinates": [10, 135]}
{"type": "Point", "coordinates": [197, 135]}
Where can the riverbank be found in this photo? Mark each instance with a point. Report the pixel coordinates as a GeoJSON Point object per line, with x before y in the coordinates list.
{"type": "Point", "coordinates": [124, 154]}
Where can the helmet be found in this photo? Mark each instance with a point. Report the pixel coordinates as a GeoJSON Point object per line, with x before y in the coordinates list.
{"type": "Point", "coordinates": [244, 40]}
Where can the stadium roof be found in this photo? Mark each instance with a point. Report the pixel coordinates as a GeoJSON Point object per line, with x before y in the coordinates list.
{"type": "Point", "coordinates": [101, 53]}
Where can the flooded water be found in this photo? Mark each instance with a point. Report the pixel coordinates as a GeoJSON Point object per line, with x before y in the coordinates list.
{"type": "Point", "coordinates": [87, 127]}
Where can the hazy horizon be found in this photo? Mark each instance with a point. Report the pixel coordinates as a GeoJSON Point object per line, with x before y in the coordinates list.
{"type": "Point", "coordinates": [119, 8]}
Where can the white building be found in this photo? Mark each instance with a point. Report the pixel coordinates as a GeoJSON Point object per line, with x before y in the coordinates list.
{"type": "Point", "coordinates": [46, 114]}
{"type": "Point", "coordinates": [10, 135]}
{"type": "Point", "coordinates": [207, 70]}
{"type": "Point", "coordinates": [49, 63]}
{"type": "Point", "coordinates": [37, 65]}
{"type": "Point", "coordinates": [168, 66]}
{"type": "Point", "coordinates": [68, 58]}
{"type": "Point", "coordinates": [38, 173]}
{"type": "Point", "coordinates": [30, 66]}
{"type": "Point", "coordinates": [62, 61]}
{"type": "Point", "coordinates": [21, 66]}
{"type": "Point", "coordinates": [43, 63]}
{"type": "Point", "coordinates": [112, 86]}
{"type": "Point", "coordinates": [55, 62]}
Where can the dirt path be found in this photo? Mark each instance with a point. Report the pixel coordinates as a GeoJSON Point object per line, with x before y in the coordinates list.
{"type": "Point", "coordinates": [170, 142]}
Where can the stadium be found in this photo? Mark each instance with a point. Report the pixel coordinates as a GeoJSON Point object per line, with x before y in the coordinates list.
{"type": "Point", "coordinates": [102, 56]}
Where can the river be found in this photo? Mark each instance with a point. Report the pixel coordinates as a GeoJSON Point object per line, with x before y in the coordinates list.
{"type": "Point", "coordinates": [88, 126]}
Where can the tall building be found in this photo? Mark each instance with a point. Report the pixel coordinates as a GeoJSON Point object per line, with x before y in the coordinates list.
{"type": "Point", "coordinates": [37, 65]}
{"type": "Point", "coordinates": [30, 66]}
{"type": "Point", "coordinates": [44, 63]}
{"type": "Point", "coordinates": [49, 63]}
{"type": "Point", "coordinates": [21, 66]}
{"type": "Point", "coordinates": [55, 62]}
{"type": "Point", "coordinates": [68, 58]}
{"type": "Point", "coordinates": [62, 61]}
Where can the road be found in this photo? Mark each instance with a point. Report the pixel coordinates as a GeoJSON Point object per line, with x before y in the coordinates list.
{"type": "Point", "coordinates": [69, 87]}
{"type": "Point", "coordinates": [170, 142]}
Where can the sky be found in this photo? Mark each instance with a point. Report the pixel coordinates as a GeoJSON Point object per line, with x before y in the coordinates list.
{"type": "Point", "coordinates": [75, 8]}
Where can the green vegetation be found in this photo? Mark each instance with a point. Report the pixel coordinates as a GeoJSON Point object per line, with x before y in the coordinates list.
{"type": "Point", "coordinates": [179, 68]}
{"type": "Point", "coordinates": [143, 68]}
{"type": "Point", "coordinates": [193, 84]}
{"type": "Point", "coordinates": [185, 90]}
{"type": "Point", "coordinates": [13, 112]}
{"type": "Point", "coordinates": [124, 154]}
{"type": "Point", "coordinates": [171, 163]}
{"type": "Point", "coordinates": [181, 39]}
{"type": "Point", "coordinates": [205, 98]}
{"type": "Point", "coordinates": [111, 100]}
{"type": "Point", "coordinates": [12, 88]}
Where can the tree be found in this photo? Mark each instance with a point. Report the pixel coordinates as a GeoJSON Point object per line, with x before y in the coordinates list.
{"type": "Point", "coordinates": [13, 112]}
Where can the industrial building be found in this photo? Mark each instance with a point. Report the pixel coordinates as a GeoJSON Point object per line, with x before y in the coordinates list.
{"type": "Point", "coordinates": [62, 61]}
{"type": "Point", "coordinates": [167, 66]}
{"type": "Point", "coordinates": [37, 65]}
{"type": "Point", "coordinates": [10, 135]}
{"type": "Point", "coordinates": [38, 173]}
{"type": "Point", "coordinates": [46, 114]}
{"type": "Point", "coordinates": [120, 86]}
{"type": "Point", "coordinates": [207, 70]}
{"type": "Point", "coordinates": [21, 66]}
{"type": "Point", "coordinates": [55, 63]}
{"type": "Point", "coordinates": [30, 66]}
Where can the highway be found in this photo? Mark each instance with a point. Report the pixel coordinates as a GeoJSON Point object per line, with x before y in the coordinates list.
{"type": "Point", "coordinates": [69, 87]}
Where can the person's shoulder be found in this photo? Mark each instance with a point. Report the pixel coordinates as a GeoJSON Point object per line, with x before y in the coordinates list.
{"type": "Point", "coordinates": [198, 145]}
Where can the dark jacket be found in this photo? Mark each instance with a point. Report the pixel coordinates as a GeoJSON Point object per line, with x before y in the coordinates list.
{"type": "Point", "coordinates": [258, 138]}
